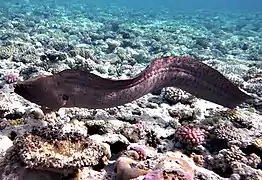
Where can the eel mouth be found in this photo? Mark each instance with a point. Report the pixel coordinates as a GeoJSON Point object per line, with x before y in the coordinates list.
{"type": "Point", "coordinates": [24, 91]}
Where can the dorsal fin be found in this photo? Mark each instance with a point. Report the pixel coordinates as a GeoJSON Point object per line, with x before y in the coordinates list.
{"type": "Point", "coordinates": [87, 78]}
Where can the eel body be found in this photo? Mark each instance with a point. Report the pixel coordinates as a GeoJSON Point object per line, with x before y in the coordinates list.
{"type": "Point", "coordinates": [75, 88]}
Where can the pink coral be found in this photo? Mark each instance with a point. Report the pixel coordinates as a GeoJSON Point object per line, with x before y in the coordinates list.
{"type": "Point", "coordinates": [11, 77]}
{"type": "Point", "coordinates": [140, 124]}
{"type": "Point", "coordinates": [153, 175]}
{"type": "Point", "coordinates": [140, 149]}
{"type": "Point", "coordinates": [190, 135]}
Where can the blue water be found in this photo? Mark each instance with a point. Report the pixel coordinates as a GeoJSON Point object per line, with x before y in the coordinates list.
{"type": "Point", "coordinates": [171, 5]}
{"type": "Point", "coordinates": [228, 27]}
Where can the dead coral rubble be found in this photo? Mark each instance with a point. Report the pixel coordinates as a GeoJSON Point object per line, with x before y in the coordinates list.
{"type": "Point", "coordinates": [171, 165]}
{"type": "Point", "coordinates": [43, 149]}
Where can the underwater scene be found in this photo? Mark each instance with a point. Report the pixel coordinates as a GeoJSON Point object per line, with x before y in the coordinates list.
{"type": "Point", "coordinates": [130, 90]}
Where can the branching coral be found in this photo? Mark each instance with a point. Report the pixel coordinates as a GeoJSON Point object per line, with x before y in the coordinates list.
{"type": "Point", "coordinates": [7, 51]}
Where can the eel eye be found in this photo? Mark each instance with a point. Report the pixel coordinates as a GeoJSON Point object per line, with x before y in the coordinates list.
{"type": "Point", "coordinates": [65, 97]}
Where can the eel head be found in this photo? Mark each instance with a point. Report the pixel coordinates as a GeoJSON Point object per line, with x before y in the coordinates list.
{"type": "Point", "coordinates": [41, 90]}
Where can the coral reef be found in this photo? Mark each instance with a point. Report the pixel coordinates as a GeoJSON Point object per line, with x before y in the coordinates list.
{"type": "Point", "coordinates": [168, 134]}
{"type": "Point", "coordinates": [46, 148]}
{"type": "Point", "coordinates": [175, 95]}
{"type": "Point", "coordinates": [171, 165]}
{"type": "Point", "coordinates": [190, 135]}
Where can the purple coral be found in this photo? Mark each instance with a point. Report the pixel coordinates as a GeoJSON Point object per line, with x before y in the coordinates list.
{"type": "Point", "coordinates": [190, 135]}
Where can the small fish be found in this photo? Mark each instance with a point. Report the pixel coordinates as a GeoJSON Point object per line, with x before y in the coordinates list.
{"type": "Point", "coordinates": [76, 88]}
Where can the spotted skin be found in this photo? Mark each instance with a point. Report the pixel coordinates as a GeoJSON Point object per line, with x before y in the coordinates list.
{"type": "Point", "coordinates": [75, 88]}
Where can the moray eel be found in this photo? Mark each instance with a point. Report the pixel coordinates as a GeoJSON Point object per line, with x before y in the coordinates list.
{"type": "Point", "coordinates": [75, 88]}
